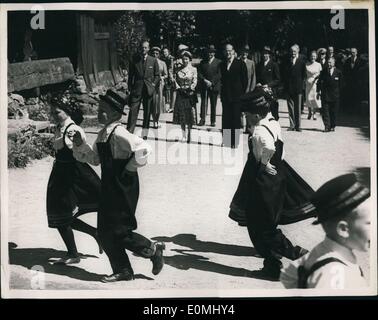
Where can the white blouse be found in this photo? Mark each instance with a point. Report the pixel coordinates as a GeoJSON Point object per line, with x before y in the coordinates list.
{"type": "Point", "coordinates": [58, 138]}
{"type": "Point", "coordinates": [122, 144]}
{"type": "Point", "coordinates": [262, 140]}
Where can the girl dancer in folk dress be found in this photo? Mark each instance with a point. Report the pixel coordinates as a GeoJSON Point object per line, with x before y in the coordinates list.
{"type": "Point", "coordinates": [74, 187]}
{"type": "Point", "coordinates": [264, 185]}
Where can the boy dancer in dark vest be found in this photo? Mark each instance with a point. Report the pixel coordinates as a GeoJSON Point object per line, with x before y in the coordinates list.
{"type": "Point", "coordinates": [120, 153]}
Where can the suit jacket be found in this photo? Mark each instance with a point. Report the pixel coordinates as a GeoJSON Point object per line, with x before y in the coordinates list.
{"type": "Point", "coordinates": [330, 86]}
{"type": "Point", "coordinates": [294, 76]}
{"type": "Point", "coordinates": [251, 69]}
{"type": "Point", "coordinates": [350, 73]}
{"type": "Point", "coordinates": [269, 74]}
{"type": "Point", "coordinates": [234, 80]}
{"type": "Point", "coordinates": [212, 72]}
{"type": "Point", "coordinates": [143, 75]}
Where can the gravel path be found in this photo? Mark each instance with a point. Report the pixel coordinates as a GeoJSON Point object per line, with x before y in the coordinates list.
{"type": "Point", "coordinates": [186, 205]}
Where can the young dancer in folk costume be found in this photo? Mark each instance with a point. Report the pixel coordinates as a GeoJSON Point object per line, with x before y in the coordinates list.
{"type": "Point", "coordinates": [73, 188]}
{"type": "Point", "coordinates": [264, 185]}
{"type": "Point", "coordinates": [120, 153]}
{"type": "Point", "coordinates": [343, 210]}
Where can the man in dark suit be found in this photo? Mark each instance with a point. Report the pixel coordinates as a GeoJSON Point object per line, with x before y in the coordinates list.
{"type": "Point", "coordinates": [351, 76]}
{"type": "Point", "coordinates": [209, 75]}
{"type": "Point", "coordinates": [268, 75]}
{"type": "Point", "coordinates": [294, 76]}
{"type": "Point", "coordinates": [329, 88]}
{"type": "Point", "coordinates": [143, 79]}
{"type": "Point", "coordinates": [234, 84]}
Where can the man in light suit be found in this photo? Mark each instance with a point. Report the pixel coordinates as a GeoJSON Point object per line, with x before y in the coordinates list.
{"type": "Point", "coordinates": [294, 77]}
{"type": "Point", "coordinates": [144, 76]}
{"type": "Point", "coordinates": [209, 74]}
{"type": "Point", "coordinates": [234, 84]}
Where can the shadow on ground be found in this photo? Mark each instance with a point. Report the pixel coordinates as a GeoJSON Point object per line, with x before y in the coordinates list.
{"type": "Point", "coordinates": [185, 259]}
{"type": "Point", "coordinates": [191, 241]}
{"type": "Point", "coordinates": [32, 257]}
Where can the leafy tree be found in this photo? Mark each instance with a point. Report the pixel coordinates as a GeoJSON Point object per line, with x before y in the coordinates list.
{"type": "Point", "coordinates": [129, 32]}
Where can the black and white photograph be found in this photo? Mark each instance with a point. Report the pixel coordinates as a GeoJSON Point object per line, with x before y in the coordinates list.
{"type": "Point", "coordinates": [159, 150]}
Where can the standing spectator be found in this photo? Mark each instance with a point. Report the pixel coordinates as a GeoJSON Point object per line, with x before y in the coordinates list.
{"type": "Point", "coordinates": [168, 59]}
{"type": "Point", "coordinates": [313, 70]}
{"type": "Point", "coordinates": [177, 65]}
{"type": "Point", "coordinates": [143, 79]}
{"type": "Point", "coordinates": [158, 98]}
{"type": "Point", "coordinates": [295, 74]}
{"type": "Point", "coordinates": [351, 77]}
{"type": "Point", "coordinates": [251, 75]}
{"type": "Point", "coordinates": [250, 68]}
{"type": "Point", "coordinates": [330, 52]}
{"type": "Point", "coordinates": [185, 85]}
{"type": "Point", "coordinates": [330, 82]}
{"type": "Point", "coordinates": [234, 84]}
{"type": "Point", "coordinates": [209, 74]}
{"type": "Point", "coordinates": [322, 57]}
{"type": "Point", "coordinates": [268, 75]}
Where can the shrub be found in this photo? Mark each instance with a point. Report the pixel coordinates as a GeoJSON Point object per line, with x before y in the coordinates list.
{"type": "Point", "coordinates": [27, 145]}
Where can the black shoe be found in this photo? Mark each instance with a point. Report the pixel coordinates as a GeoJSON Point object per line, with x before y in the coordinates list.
{"type": "Point", "coordinates": [332, 129]}
{"type": "Point", "coordinates": [213, 124]}
{"type": "Point", "coordinates": [158, 258]}
{"type": "Point", "coordinates": [298, 129]}
{"type": "Point", "coordinates": [290, 129]}
{"type": "Point", "coordinates": [144, 137]}
{"type": "Point", "coordinates": [125, 275]}
{"type": "Point", "coordinates": [309, 116]}
{"type": "Point", "coordinates": [327, 130]}
{"type": "Point", "coordinates": [201, 123]}
{"type": "Point", "coordinates": [272, 271]}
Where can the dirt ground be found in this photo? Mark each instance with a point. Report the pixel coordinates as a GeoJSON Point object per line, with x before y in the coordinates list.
{"type": "Point", "coordinates": [185, 205]}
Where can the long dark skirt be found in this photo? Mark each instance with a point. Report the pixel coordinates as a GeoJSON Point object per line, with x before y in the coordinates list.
{"type": "Point", "coordinates": [73, 189]}
{"type": "Point", "coordinates": [184, 110]}
{"type": "Point", "coordinates": [292, 205]}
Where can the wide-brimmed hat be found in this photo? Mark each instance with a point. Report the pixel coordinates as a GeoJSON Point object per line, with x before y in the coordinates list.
{"type": "Point", "coordinates": [182, 47]}
{"type": "Point", "coordinates": [267, 49]}
{"type": "Point", "coordinates": [339, 196]}
{"type": "Point", "coordinates": [211, 48]}
{"type": "Point", "coordinates": [153, 49]}
{"type": "Point", "coordinates": [115, 100]}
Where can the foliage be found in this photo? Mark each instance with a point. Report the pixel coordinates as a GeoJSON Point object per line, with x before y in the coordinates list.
{"type": "Point", "coordinates": [39, 112]}
{"type": "Point", "coordinates": [27, 145]}
{"type": "Point", "coordinates": [129, 32]}
{"type": "Point", "coordinates": [172, 27]}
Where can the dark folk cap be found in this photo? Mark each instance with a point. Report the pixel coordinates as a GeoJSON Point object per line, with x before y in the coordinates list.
{"type": "Point", "coordinates": [339, 196]}
{"type": "Point", "coordinates": [115, 100]}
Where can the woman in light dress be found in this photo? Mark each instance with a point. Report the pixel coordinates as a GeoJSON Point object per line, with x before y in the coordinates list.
{"type": "Point", "coordinates": [185, 85]}
{"type": "Point", "coordinates": [313, 70]}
